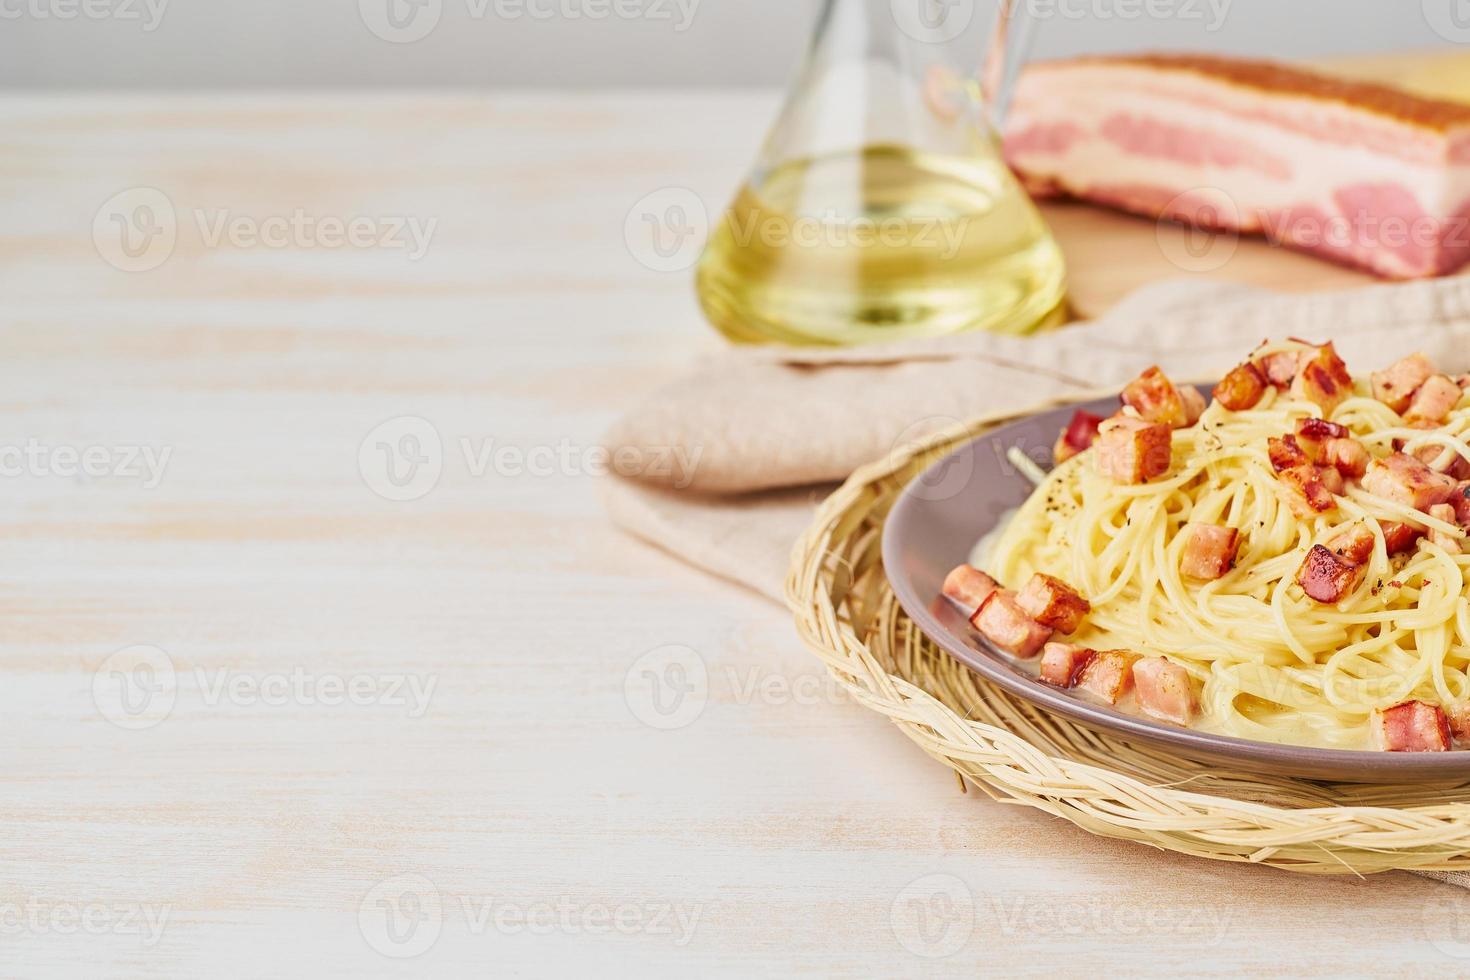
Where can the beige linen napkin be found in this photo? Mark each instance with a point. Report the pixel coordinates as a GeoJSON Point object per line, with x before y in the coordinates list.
{"type": "Point", "coordinates": [761, 434]}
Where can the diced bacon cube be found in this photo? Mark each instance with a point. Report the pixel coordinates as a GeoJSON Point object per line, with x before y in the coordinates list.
{"type": "Point", "coordinates": [1327, 577]}
{"type": "Point", "coordinates": [1053, 603]}
{"type": "Point", "coordinates": [1153, 396]}
{"type": "Point", "coordinates": [1458, 716]}
{"type": "Point", "coordinates": [1449, 542]}
{"type": "Point", "coordinates": [1331, 479]}
{"type": "Point", "coordinates": [1280, 368]}
{"type": "Point", "coordinates": [1194, 404]}
{"type": "Point", "coordinates": [1348, 456]}
{"type": "Point", "coordinates": [1079, 434]}
{"type": "Point", "coordinates": [1443, 459]}
{"type": "Point", "coordinates": [1412, 726]}
{"type": "Point", "coordinates": [1433, 402]}
{"type": "Point", "coordinates": [1210, 551]}
{"type": "Point", "coordinates": [1130, 450]}
{"type": "Point", "coordinates": [1242, 388]}
{"type": "Point", "coordinates": [1323, 380]}
{"type": "Point", "coordinates": [1396, 385]}
{"type": "Point", "coordinates": [1165, 690]}
{"type": "Point", "coordinates": [1399, 537]}
{"type": "Point", "coordinates": [1461, 499]}
{"type": "Point", "coordinates": [1406, 480]}
{"type": "Point", "coordinates": [1306, 493]}
{"type": "Point", "coordinates": [1003, 622]}
{"type": "Point", "coordinates": [1312, 434]}
{"type": "Point", "coordinates": [1353, 543]}
{"type": "Point", "coordinates": [1285, 452]}
{"type": "Point", "coordinates": [968, 586]}
{"type": "Point", "coordinates": [1063, 663]}
{"type": "Point", "coordinates": [1109, 675]}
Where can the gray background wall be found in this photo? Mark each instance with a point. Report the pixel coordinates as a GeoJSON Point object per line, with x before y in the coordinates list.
{"type": "Point", "coordinates": [225, 43]}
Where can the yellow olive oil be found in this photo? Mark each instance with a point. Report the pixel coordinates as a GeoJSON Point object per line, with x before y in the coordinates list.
{"type": "Point", "coordinates": [882, 244]}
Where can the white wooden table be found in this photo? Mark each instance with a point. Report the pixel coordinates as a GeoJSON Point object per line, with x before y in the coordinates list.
{"type": "Point", "coordinates": [346, 728]}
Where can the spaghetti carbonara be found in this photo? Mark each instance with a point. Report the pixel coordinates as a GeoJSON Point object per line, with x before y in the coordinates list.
{"type": "Point", "coordinates": [1299, 556]}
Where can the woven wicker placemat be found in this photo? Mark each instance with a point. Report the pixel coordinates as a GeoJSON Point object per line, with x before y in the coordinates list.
{"type": "Point", "coordinates": [848, 616]}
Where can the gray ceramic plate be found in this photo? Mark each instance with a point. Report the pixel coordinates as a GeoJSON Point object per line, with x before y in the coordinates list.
{"type": "Point", "coordinates": [935, 524]}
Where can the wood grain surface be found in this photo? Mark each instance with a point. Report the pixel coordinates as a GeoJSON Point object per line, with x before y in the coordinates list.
{"type": "Point", "coordinates": [360, 728]}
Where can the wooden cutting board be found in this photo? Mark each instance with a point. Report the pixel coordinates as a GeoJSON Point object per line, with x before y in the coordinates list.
{"type": "Point", "coordinates": [1110, 254]}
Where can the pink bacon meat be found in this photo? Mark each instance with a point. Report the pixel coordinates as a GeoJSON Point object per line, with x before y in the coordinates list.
{"type": "Point", "coordinates": [1165, 690]}
{"type": "Point", "coordinates": [968, 586]}
{"type": "Point", "coordinates": [1412, 726]}
{"type": "Point", "coordinates": [1210, 551]}
{"type": "Point", "coordinates": [1062, 664]}
{"type": "Point", "coordinates": [1406, 480]}
{"type": "Point", "coordinates": [1003, 622]}
{"type": "Point", "coordinates": [1316, 163]}
{"type": "Point", "coordinates": [1053, 603]}
{"type": "Point", "coordinates": [1109, 674]}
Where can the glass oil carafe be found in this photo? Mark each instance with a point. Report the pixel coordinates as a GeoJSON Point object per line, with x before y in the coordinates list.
{"type": "Point", "coordinates": [880, 207]}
